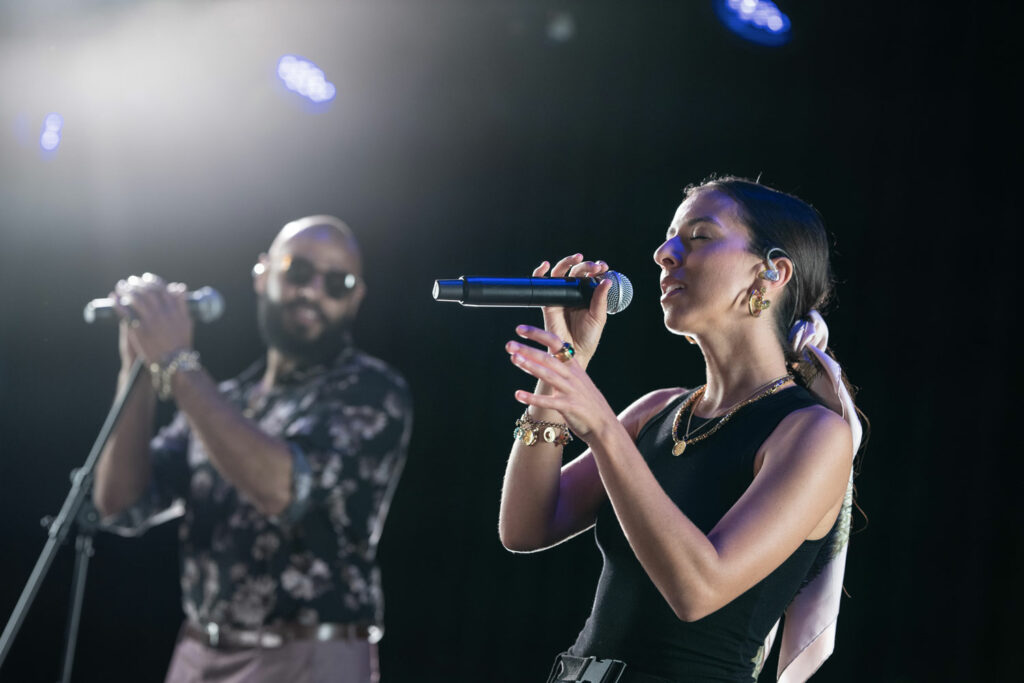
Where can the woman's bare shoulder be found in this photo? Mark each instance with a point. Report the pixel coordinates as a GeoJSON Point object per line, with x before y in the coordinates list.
{"type": "Point", "coordinates": [647, 406]}
{"type": "Point", "coordinates": [818, 419]}
{"type": "Point", "coordinates": [813, 433]}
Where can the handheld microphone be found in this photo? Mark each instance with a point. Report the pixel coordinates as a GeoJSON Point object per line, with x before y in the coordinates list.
{"type": "Point", "coordinates": [574, 292]}
{"type": "Point", "coordinates": [205, 305]}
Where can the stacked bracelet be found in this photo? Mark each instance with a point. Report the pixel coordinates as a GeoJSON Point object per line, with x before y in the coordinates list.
{"type": "Point", "coordinates": [530, 431]}
{"type": "Point", "coordinates": [161, 373]}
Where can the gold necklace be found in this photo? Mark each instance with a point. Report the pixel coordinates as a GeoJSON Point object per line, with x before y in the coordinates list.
{"type": "Point", "coordinates": [687, 434]}
{"type": "Point", "coordinates": [688, 438]}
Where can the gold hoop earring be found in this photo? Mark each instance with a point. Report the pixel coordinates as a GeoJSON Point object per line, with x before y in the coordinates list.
{"type": "Point", "coordinates": [757, 303]}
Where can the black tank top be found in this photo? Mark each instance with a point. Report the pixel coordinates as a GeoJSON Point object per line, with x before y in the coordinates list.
{"type": "Point", "coordinates": [631, 621]}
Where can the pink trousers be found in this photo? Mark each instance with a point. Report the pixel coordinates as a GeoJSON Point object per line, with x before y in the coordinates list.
{"type": "Point", "coordinates": [304, 661]}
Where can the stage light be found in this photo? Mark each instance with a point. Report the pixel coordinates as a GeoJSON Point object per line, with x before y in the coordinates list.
{"type": "Point", "coordinates": [759, 21]}
{"type": "Point", "coordinates": [561, 27]}
{"type": "Point", "coordinates": [305, 78]}
{"type": "Point", "coordinates": [53, 124]}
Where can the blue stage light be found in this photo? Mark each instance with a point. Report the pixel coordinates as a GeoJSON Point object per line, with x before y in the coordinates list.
{"type": "Point", "coordinates": [53, 124]}
{"type": "Point", "coordinates": [306, 78]}
{"type": "Point", "coordinates": [759, 21]}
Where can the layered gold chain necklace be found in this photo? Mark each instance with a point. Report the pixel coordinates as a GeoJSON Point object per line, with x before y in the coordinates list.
{"type": "Point", "coordinates": [691, 403]}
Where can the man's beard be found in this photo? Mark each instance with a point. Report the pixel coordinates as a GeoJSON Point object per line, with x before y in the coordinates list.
{"type": "Point", "coordinates": [322, 349]}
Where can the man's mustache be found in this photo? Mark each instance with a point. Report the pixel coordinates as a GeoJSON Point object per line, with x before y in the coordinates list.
{"type": "Point", "coordinates": [302, 303]}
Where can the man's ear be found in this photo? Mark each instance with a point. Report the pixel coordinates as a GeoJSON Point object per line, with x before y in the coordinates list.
{"type": "Point", "coordinates": [259, 274]}
{"type": "Point", "coordinates": [357, 297]}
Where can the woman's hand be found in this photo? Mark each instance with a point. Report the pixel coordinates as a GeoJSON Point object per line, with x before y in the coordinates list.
{"type": "Point", "coordinates": [569, 389]}
{"type": "Point", "coordinates": [580, 327]}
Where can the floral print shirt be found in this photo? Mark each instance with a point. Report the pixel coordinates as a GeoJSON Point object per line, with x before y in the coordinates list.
{"type": "Point", "coordinates": [348, 427]}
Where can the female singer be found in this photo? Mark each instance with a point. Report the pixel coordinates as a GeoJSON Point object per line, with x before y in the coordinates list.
{"type": "Point", "coordinates": [716, 508]}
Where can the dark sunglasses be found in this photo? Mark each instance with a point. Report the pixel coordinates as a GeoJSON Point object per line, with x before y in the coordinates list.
{"type": "Point", "coordinates": [300, 271]}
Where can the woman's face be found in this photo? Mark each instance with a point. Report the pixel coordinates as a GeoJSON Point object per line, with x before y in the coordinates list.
{"type": "Point", "coordinates": [707, 269]}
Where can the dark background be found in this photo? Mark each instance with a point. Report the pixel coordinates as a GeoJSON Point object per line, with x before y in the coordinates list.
{"type": "Point", "coordinates": [468, 138]}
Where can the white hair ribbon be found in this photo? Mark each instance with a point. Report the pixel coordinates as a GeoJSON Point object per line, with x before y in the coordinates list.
{"type": "Point", "coordinates": [809, 635]}
{"type": "Point", "coordinates": [810, 338]}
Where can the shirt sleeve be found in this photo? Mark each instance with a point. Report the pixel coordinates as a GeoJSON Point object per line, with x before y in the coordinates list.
{"type": "Point", "coordinates": [348, 453]}
{"type": "Point", "coordinates": [163, 499]}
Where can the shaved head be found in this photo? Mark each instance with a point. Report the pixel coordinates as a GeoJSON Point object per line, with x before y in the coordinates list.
{"type": "Point", "coordinates": [325, 229]}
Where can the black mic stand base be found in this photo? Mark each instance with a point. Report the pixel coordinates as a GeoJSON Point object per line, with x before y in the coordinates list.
{"type": "Point", "coordinates": [77, 508]}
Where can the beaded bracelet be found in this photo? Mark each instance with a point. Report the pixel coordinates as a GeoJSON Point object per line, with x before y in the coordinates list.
{"type": "Point", "coordinates": [530, 431]}
{"type": "Point", "coordinates": [183, 360]}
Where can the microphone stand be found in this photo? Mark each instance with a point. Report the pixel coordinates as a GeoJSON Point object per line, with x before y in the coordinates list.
{"type": "Point", "coordinates": [79, 510]}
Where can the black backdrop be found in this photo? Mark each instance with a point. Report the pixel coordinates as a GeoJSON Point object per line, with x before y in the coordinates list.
{"type": "Point", "coordinates": [466, 139]}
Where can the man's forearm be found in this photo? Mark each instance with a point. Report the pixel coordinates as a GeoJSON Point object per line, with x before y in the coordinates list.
{"type": "Point", "coordinates": [257, 464]}
{"type": "Point", "coordinates": [123, 470]}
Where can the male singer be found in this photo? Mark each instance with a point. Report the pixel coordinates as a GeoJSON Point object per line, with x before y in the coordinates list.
{"type": "Point", "coordinates": [285, 473]}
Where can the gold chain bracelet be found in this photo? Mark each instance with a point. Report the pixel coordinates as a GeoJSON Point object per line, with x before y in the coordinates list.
{"type": "Point", "coordinates": [531, 431]}
{"type": "Point", "coordinates": [182, 360]}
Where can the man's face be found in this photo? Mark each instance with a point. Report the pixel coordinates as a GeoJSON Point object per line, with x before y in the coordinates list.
{"type": "Point", "coordinates": [309, 295]}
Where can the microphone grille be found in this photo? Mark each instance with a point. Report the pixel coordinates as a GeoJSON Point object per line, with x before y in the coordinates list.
{"type": "Point", "coordinates": [209, 304]}
{"type": "Point", "coordinates": [89, 313]}
{"type": "Point", "coordinates": [621, 292]}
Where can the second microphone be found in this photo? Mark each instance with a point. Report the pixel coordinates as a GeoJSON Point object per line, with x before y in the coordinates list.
{"type": "Point", "coordinates": [574, 292]}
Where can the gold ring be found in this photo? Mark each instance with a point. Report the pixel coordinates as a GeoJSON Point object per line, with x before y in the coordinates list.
{"type": "Point", "coordinates": [565, 353]}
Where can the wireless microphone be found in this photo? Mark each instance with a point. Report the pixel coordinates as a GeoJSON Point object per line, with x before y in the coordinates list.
{"type": "Point", "coordinates": [573, 292]}
{"type": "Point", "coordinates": [205, 305]}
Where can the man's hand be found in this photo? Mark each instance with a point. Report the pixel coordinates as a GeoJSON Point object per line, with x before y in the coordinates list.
{"type": "Point", "coordinates": [155, 320]}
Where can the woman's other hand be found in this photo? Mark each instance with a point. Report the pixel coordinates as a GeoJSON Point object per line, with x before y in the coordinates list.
{"type": "Point", "coordinates": [580, 327]}
{"type": "Point", "coordinates": [568, 388]}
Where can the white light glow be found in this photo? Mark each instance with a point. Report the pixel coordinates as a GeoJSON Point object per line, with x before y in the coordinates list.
{"type": "Point", "coordinates": [49, 139]}
{"type": "Point", "coordinates": [561, 27]}
{"type": "Point", "coordinates": [305, 78]}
